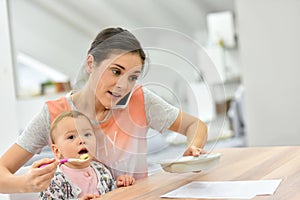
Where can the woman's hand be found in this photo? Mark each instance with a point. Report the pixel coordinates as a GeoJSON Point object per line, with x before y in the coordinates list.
{"type": "Point", "coordinates": [194, 151]}
{"type": "Point", "coordinates": [37, 178]}
{"type": "Point", "coordinates": [125, 180]}
{"type": "Point", "coordinates": [90, 196]}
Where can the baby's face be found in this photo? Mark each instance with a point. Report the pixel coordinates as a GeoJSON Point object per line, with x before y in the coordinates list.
{"type": "Point", "coordinates": [74, 137]}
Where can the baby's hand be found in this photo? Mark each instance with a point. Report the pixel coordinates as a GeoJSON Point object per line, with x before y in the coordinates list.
{"type": "Point", "coordinates": [125, 180]}
{"type": "Point", "coordinates": [90, 196]}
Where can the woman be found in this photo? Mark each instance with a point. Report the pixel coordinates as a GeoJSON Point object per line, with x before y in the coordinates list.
{"type": "Point", "coordinates": [114, 62]}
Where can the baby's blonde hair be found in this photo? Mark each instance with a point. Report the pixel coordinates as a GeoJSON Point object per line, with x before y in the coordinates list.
{"type": "Point", "coordinates": [73, 114]}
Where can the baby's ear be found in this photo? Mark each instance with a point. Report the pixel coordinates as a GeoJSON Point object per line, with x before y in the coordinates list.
{"type": "Point", "coordinates": [56, 151]}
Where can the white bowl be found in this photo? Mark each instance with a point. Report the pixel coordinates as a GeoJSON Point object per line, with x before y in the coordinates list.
{"type": "Point", "coordinates": [191, 163]}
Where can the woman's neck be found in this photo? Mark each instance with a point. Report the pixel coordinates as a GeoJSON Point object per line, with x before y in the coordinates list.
{"type": "Point", "coordinates": [87, 103]}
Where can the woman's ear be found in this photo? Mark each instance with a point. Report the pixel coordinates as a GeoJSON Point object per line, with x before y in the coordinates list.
{"type": "Point", "coordinates": [56, 151]}
{"type": "Point", "coordinates": [89, 63]}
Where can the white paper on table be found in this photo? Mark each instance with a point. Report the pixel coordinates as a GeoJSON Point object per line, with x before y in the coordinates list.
{"type": "Point", "coordinates": [225, 189]}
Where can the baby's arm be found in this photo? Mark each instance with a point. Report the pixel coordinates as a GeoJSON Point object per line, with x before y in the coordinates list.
{"type": "Point", "coordinates": [125, 180]}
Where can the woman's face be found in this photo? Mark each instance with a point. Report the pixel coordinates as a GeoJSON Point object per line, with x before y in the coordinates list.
{"type": "Point", "coordinates": [115, 77]}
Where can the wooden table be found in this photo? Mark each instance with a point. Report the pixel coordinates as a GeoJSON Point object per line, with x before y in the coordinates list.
{"type": "Point", "coordinates": [255, 163]}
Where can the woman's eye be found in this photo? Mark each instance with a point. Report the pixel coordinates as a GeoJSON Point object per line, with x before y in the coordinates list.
{"type": "Point", "coordinates": [132, 78]}
{"type": "Point", "coordinates": [116, 71]}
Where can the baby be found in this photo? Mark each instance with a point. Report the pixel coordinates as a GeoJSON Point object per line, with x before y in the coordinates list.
{"type": "Point", "coordinates": [72, 136]}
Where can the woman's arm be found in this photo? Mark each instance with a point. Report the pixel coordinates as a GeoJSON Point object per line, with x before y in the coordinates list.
{"type": "Point", "coordinates": [35, 180]}
{"type": "Point", "coordinates": [161, 116]}
{"type": "Point", "coordinates": [194, 129]}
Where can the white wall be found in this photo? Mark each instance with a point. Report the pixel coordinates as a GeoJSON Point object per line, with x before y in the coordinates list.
{"type": "Point", "coordinates": [270, 45]}
{"type": "Point", "coordinates": [47, 37]}
{"type": "Point", "coordinates": [44, 33]}
{"type": "Point", "coordinates": [7, 101]}
{"type": "Point", "coordinates": [59, 35]}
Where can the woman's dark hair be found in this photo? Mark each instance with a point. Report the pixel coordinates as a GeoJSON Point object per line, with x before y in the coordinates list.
{"type": "Point", "coordinates": [115, 40]}
{"type": "Point", "coordinates": [107, 42]}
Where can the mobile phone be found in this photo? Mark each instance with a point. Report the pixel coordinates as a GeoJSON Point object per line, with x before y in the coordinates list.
{"type": "Point", "coordinates": [122, 103]}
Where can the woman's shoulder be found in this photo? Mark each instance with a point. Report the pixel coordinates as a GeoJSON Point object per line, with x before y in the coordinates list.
{"type": "Point", "coordinates": [141, 90]}
{"type": "Point", "coordinates": [57, 106]}
{"type": "Point", "coordinates": [138, 97]}
{"type": "Point", "coordinates": [59, 100]}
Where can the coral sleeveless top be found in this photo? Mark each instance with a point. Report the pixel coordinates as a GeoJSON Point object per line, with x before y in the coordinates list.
{"type": "Point", "coordinates": [122, 139]}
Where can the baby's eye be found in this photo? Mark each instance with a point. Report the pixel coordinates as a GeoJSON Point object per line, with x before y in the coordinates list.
{"type": "Point", "coordinates": [71, 137]}
{"type": "Point", "coordinates": [88, 134]}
